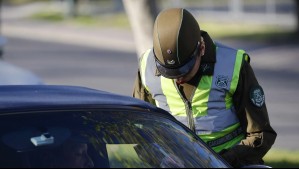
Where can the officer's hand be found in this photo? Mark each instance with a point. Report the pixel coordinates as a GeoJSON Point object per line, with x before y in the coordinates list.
{"type": "Point", "coordinates": [231, 158]}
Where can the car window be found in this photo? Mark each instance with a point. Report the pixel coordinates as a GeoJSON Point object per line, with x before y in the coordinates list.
{"type": "Point", "coordinates": [99, 138]}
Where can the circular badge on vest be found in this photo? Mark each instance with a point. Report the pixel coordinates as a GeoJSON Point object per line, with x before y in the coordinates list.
{"type": "Point", "coordinates": [257, 96]}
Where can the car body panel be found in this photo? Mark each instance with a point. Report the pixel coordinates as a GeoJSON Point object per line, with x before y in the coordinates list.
{"type": "Point", "coordinates": [52, 96]}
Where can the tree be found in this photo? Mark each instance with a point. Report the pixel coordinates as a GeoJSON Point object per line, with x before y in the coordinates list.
{"type": "Point", "coordinates": [71, 8]}
{"type": "Point", "coordinates": [141, 14]}
{"type": "Point", "coordinates": [297, 14]}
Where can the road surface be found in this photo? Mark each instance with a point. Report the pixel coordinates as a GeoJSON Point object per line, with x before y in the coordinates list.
{"type": "Point", "coordinates": [58, 63]}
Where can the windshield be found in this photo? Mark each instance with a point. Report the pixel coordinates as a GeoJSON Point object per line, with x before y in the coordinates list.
{"type": "Point", "coordinates": [101, 139]}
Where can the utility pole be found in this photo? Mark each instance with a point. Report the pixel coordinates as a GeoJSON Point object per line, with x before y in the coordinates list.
{"type": "Point", "coordinates": [297, 16]}
{"type": "Point", "coordinates": [1, 38]}
{"type": "Point", "coordinates": [141, 14]}
{"type": "Point", "coordinates": [71, 8]}
{"type": "Point", "coordinates": [236, 8]}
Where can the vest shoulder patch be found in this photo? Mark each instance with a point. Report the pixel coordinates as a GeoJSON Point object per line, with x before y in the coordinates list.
{"type": "Point", "coordinates": [257, 96]}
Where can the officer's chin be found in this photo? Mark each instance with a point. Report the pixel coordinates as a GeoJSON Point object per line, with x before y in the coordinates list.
{"type": "Point", "coordinates": [180, 81]}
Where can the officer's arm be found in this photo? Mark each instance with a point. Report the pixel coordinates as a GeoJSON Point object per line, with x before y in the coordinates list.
{"type": "Point", "coordinates": [250, 104]}
{"type": "Point", "coordinates": [140, 92]}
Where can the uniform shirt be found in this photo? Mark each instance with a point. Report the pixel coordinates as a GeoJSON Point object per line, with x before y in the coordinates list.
{"type": "Point", "coordinates": [253, 116]}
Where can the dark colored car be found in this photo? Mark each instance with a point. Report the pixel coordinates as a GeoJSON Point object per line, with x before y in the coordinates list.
{"type": "Point", "coordinates": [68, 126]}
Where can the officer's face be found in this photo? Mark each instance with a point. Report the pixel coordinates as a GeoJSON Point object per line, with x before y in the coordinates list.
{"type": "Point", "coordinates": [195, 68]}
{"type": "Point", "coordinates": [189, 75]}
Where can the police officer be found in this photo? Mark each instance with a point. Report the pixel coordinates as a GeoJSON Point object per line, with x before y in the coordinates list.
{"type": "Point", "coordinates": [209, 87]}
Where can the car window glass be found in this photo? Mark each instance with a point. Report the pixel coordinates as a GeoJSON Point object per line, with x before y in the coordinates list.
{"type": "Point", "coordinates": [97, 138]}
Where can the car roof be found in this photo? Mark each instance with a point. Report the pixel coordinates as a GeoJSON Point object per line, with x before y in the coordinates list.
{"type": "Point", "coordinates": [34, 97]}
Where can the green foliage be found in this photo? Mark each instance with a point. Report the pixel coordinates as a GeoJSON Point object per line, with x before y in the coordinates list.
{"type": "Point", "coordinates": [115, 20]}
{"type": "Point", "coordinates": [48, 16]}
{"type": "Point", "coordinates": [270, 34]}
{"type": "Point", "coordinates": [237, 30]}
{"type": "Point", "coordinates": [19, 2]}
{"type": "Point", "coordinates": [282, 164]}
{"type": "Point", "coordinates": [282, 158]}
{"type": "Point", "coordinates": [119, 20]}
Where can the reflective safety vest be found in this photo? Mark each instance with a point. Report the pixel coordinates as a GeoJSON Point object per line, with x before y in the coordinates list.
{"type": "Point", "coordinates": [211, 113]}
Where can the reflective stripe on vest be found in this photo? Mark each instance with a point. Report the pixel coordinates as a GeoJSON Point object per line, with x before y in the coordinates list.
{"type": "Point", "coordinates": [212, 106]}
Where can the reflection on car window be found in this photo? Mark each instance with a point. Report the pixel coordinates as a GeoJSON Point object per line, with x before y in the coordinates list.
{"type": "Point", "coordinates": [101, 139]}
{"type": "Point", "coordinates": [71, 154]}
{"type": "Point", "coordinates": [124, 156]}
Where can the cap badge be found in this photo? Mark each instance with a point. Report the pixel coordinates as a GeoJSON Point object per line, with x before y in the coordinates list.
{"type": "Point", "coordinates": [171, 62]}
{"type": "Point", "coordinates": [169, 51]}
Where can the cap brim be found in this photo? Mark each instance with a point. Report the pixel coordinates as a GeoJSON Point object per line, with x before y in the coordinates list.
{"type": "Point", "coordinates": [174, 73]}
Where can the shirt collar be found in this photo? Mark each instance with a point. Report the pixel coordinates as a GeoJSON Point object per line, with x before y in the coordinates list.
{"type": "Point", "coordinates": [210, 51]}
{"type": "Point", "coordinates": [208, 60]}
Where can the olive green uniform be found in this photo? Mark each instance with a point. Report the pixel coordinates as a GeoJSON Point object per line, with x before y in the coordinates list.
{"type": "Point", "coordinates": [253, 117]}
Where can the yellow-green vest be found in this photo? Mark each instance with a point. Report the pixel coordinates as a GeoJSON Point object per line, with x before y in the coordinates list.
{"type": "Point", "coordinates": [211, 114]}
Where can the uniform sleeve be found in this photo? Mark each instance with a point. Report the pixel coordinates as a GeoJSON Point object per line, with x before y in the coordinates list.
{"type": "Point", "coordinates": [140, 92]}
{"type": "Point", "coordinates": [249, 101]}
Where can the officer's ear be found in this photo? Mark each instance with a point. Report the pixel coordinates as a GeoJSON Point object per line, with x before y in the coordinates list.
{"type": "Point", "coordinates": [202, 47]}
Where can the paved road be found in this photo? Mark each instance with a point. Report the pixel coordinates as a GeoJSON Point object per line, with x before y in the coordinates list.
{"type": "Point", "coordinates": [74, 65]}
{"type": "Point", "coordinates": [114, 71]}
{"type": "Point", "coordinates": [277, 69]}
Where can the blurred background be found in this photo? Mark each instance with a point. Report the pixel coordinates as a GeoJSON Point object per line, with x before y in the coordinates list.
{"type": "Point", "coordinates": [96, 43]}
